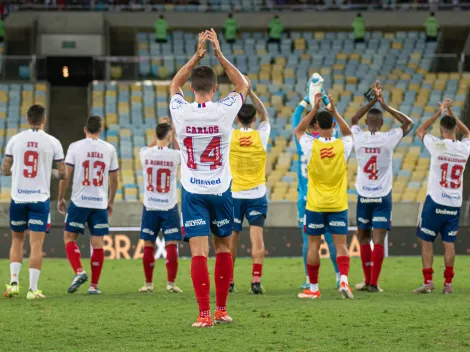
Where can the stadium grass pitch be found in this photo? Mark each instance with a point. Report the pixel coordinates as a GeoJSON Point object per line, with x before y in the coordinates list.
{"type": "Point", "coordinates": [122, 319]}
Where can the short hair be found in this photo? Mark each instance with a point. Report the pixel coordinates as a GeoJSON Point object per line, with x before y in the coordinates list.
{"type": "Point", "coordinates": [230, 15]}
{"type": "Point", "coordinates": [325, 120]}
{"type": "Point", "coordinates": [432, 14]}
{"type": "Point", "coordinates": [94, 124]}
{"type": "Point", "coordinates": [313, 122]}
{"type": "Point", "coordinates": [247, 114]}
{"type": "Point", "coordinates": [359, 14]}
{"type": "Point", "coordinates": [162, 130]}
{"type": "Point", "coordinates": [36, 115]}
{"type": "Point", "coordinates": [448, 122]}
{"type": "Point", "coordinates": [162, 17]}
{"type": "Point", "coordinates": [203, 78]}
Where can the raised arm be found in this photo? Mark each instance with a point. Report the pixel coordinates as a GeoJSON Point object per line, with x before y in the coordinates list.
{"type": "Point", "coordinates": [257, 103]}
{"type": "Point", "coordinates": [6, 167]}
{"type": "Point", "coordinates": [406, 122]}
{"type": "Point", "coordinates": [464, 131]}
{"type": "Point", "coordinates": [305, 122]}
{"type": "Point", "coordinates": [235, 76]}
{"type": "Point", "coordinates": [343, 126]}
{"type": "Point", "coordinates": [423, 129]}
{"type": "Point", "coordinates": [182, 76]}
{"type": "Point", "coordinates": [63, 185]}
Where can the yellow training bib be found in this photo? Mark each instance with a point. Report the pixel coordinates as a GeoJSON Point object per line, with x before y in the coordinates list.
{"type": "Point", "coordinates": [327, 177]}
{"type": "Point", "coordinates": [247, 160]}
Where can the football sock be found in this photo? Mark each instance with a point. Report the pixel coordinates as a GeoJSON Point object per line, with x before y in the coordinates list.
{"type": "Point", "coordinates": [201, 283]}
{"type": "Point", "coordinates": [15, 268]}
{"type": "Point", "coordinates": [33, 279]}
{"type": "Point", "coordinates": [305, 249]}
{"type": "Point", "coordinates": [343, 266]}
{"type": "Point", "coordinates": [222, 275]}
{"type": "Point", "coordinates": [377, 260]}
{"type": "Point", "coordinates": [148, 260]}
{"type": "Point", "coordinates": [366, 258]}
{"type": "Point", "coordinates": [74, 256]}
{"type": "Point", "coordinates": [257, 272]}
{"type": "Point", "coordinates": [427, 274]}
{"type": "Point", "coordinates": [332, 249]}
{"type": "Point", "coordinates": [448, 275]}
{"type": "Point", "coordinates": [171, 262]}
{"type": "Point", "coordinates": [97, 260]}
{"type": "Point", "coordinates": [313, 271]}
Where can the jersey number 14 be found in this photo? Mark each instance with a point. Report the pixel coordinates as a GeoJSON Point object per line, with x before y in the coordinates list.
{"type": "Point", "coordinates": [211, 155]}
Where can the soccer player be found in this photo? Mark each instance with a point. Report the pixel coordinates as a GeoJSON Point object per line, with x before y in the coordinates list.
{"type": "Point", "coordinates": [92, 162]}
{"type": "Point", "coordinates": [312, 130]}
{"type": "Point", "coordinates": [374, 153]}
{"type": "Point", "coordinates": [248, 166]}
{"type": "Point", "coordinates": [441, 210]}
{"type": "Point", "coordinates": [327, 201]}
{"type": "Point", "coordinates": [203, 131]}
{"type": "Point", "coordinates": [29, 157]}
{"type": "Point", "coordinates": [159, 164]}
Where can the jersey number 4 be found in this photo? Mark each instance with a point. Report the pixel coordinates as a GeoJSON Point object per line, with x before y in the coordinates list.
{"type": "Point", "coordinates": [211, 154]}
{"type": "Point", "coordinates": [99, 166]}
{"type": "Point", "coordinates": [371, 168]}
{"type": "Point", "coordinates": [162, 178]}
{"type": "Point", "coordinates": [455, 176]}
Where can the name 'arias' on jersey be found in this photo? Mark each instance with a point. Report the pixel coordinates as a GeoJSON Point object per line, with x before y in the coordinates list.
{"type": "Point", "coordinates": [93, 160]}
{"type": "Point", "coordinates": [160, 167]}
{"type": "Point", "coordinates": [204, 132]}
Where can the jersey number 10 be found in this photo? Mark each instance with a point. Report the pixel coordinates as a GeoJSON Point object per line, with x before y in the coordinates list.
{"type": "Point", "coordinates": [162, 175]}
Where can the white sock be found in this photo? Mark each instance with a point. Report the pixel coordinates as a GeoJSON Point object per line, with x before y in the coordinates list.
{"type": "Point", "coordinates": [344, 279]}
{"type": "Point", "coordinates": [314, 287]}
{"type": "Point", "coordinates": [307, 279]}
{"type": "Point", "coordinates": [15, 272]}
{"type": "Point", "coordinates": [33, 279]}
{"type": "Point", "coordinates": [338, 277]}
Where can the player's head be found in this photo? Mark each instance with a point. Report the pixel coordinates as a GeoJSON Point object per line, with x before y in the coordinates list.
{"type": "Point", "coordinates": [163, 132]}
{"type": "Point", "coordinates": [247, 115]}
{"type": "Point", "coordinates": [326, 122]}
{"type": "Point", "coordinates": [230, 15]}
{"type": "Point", "coordinates": [374, 120]}
{"type": "Point", "coordinates": [313, 126]}
{"type": "Point", "coordinates": [36, 116]}
{"type": "Point", "coordinates": [162, 17]}
{"type": "Point", "coordinates": [448, 126]}
{"type": "Point", "coordinates": [203, 80]}
{"type": "Point", "coordinates": [359, 14]}
{"type": "Point", "coordinates": [94, 125]}
{"type": "Point", "coordinates": [431, 14]}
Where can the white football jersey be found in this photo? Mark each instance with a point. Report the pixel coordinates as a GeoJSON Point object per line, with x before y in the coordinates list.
{"type": "Point", "coordinates": [33, 152]}
{"type": "Point", "coordinates": [204, 132]}
{"type": "Point", "coordinates": [374, 154]}
{"type": "Point", "coordinates": [160, 166]}
{"type": "Point", "coordinates": [448, 159]}
{"type": "Point", "coordinates": [93, 160]}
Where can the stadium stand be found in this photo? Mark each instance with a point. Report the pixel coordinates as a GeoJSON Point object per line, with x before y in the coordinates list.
{"type": "Point", "coordinates": [402, 61]}
{"type": "Point", "coordinates": [15, 99]}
